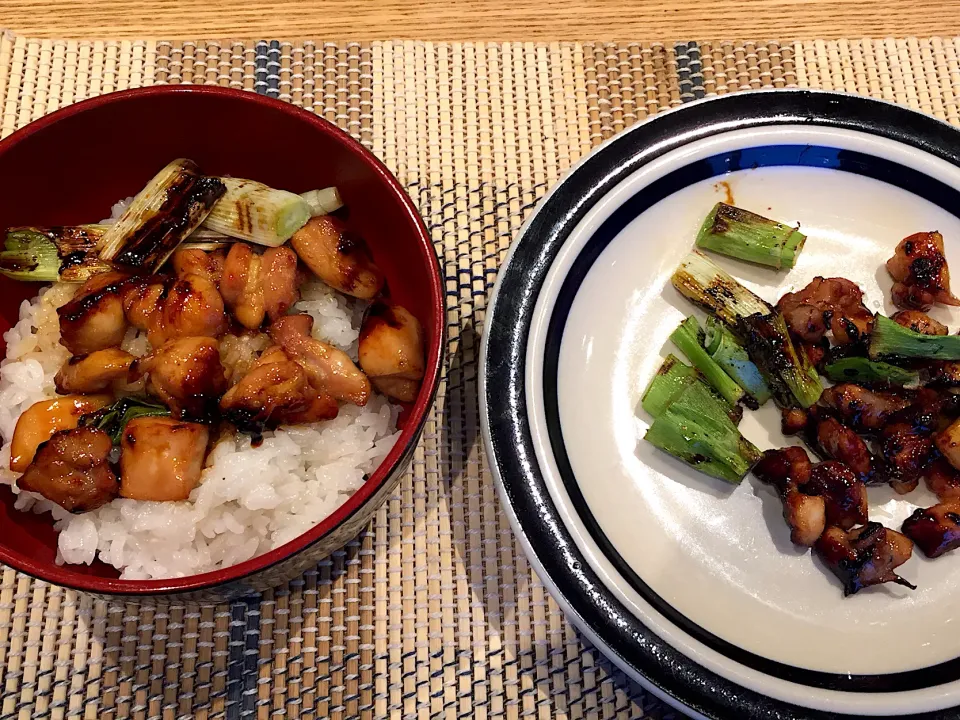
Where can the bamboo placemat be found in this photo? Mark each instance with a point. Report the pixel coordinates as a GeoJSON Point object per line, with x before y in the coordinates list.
{"type": "Point", "coordinates": [433, 611]}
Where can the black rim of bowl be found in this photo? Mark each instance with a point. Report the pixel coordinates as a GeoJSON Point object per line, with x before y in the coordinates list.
{"type": "Point", "coordinates": [509, 441]}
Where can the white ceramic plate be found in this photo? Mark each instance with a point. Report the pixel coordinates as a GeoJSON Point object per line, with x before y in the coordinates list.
{"type": "Point", "coordinates": [692, 585]}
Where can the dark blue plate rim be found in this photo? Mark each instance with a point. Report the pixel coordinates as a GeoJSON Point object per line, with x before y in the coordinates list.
{"type": "Point", "coordinates": [507, 431]}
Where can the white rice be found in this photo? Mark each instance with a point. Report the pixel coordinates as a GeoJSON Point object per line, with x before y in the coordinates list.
{"type": "Point", "coordinates": [250, 500]}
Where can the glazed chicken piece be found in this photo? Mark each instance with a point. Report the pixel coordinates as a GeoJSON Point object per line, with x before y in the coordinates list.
{"type": "Point", "coordinates": [841, 443]}
{"type": "Point", "coordinates": [280, 280]}
{"type": "Point", "coordinates": [39, 422]}
{"type": "Point", "coordinates": [391, 351]}
{"type": "Point", "coordinates": [834, 303]}
{"type": "Point", "coordinates": [929, 411]}
{"type": "Point", "coordinates": [844, 496]}
{"type": "Point", "coordinates": [94, 318]}
{"type": "Point", "coordinates": [338, 257]}
{"type": "Point", "coordinates": [328, 369]}
{"type": "Point", "coordinates": [94, 372]}
{"type": "Point", "coordinates": [316, 405]}
{"type": "Point", "coordinates": [185, 375]}
{"type": "Point", "coordinates": [169, 308]}
{"type": "Point", "coordinates": [787, 470]}
{"type": "Point", "coordinates": [919, 322]}
{"type": "Point", "coordinates": [935, 530]}
{"type": "Point", "coordinates": [861, 408]}
{"type": "Point", "coordinates": [242, 286]}
{"type": "Point", "coordinates": [920, 273]}
{"type": "Point", "coordinates": [72, 470]}
{"type": "Point", "coordinates": [943, 480]}
{"type": "Point", "coordinates": [864, 556]}
{"type": "Point", "coordinates": [161, 458]}
{"type": "Point", "coordinates": [793, 420]}
{"type": "Point", "coordinates": [907, 454]}
{"type": "Point", "coordinates": [194, 261]}
{"type": "Point", "coordinates": [270, 394]}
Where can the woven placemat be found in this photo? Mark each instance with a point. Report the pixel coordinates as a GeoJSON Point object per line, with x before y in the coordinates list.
{"type": "Point", "coordinates": [433, 611]}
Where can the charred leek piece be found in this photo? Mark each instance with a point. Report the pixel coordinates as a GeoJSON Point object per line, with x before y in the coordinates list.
{"type": "Point", "coordinates": [673, 377]}
{"type": "Point", "coordinates": [759, 327]}
{"type": "Point", "coordinates": [862, 370]}
{"type": "Point", "coordinates": [727, 352]}
{"type": "Point", "coordinates": [890, 340]}
{"type": "Point", "coordinates": [162, 215]}
{"type": "Point", "coordinates": [252, 211]}
{"type": "Point", "coordinates": [114, 418]}
{"type": "Point", "coordinates": [323, 202]}
{"type": "Point", "coordinates": [695, 429]}
{"type": "Point", "coordinates": [688, 337]}
{"type": "Point", "coordinates": [44, 254]}
{"type": "Point", "coordinates": [742, 234]}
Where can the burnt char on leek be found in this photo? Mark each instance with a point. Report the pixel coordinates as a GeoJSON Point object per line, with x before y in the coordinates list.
{"type": "Point", "coordinates": [729, 354]}
{"type": "Point", "coordinates": [689, 338]}
{"type": "Point", "coordinates": [890, 340]}
{"type": "Point", "coordinates": [160, 217]}
{"type": "Point", "coordinates": [696, 429]}
{"type": "Point", "coordinates": [761, 329]}
{"type": "Point", "coordinates": [745, 235]}
{"type": "Point", "coordinates": [860, 370]}
{"type": "Point", "coordinates": [45, 254]}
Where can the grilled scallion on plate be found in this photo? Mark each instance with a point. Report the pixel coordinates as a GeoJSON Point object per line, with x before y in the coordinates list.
{"type": "Point", "coordinates": [160, 217]}
{"type": "Point", "coordinates": [696, 429]}
{"type": "Point", "coordinates": [46, 254]}
{"type": "Point", "coordinates": [252, 211]}
{"type": "Point", "coordinates": [323, 202]}
{"type": "Point", "coordinates": [689, 338]}
{"type": "Point", "coordinates": [762, 330]}
{"type": "Point", "coordinates": [742, 234]}
{"type": "Point", "coordinates": [672, 379]}
{"type": "Point", "coordinates": [890, 340]}
{"type": "Point", "coordinates": [861, 370]}
{"type": "Point", "coordinates": [729, 354]}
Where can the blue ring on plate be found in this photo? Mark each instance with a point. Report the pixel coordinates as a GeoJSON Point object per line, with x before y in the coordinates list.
{"type": "Point", "coordinates": [508, 324]}
{"type": "Point", "coordinates": [745, 159]}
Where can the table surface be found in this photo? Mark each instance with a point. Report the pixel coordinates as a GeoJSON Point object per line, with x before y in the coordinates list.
{"type": "Point", "coordinates": [481, 19]}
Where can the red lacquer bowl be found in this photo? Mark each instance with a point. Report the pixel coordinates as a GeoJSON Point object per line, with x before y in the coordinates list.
{"type": "Point", "coordinates": [71, 166]}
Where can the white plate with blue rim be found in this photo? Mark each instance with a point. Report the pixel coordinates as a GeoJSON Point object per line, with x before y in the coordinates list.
{"type": "Point", "coordinates": [691, 585]}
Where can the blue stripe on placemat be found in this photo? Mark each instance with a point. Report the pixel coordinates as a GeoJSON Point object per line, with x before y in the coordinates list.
{"type": "Point", "coordinates": [267, 68]}
{"type": "Point", "coordinates": [689, 70]}
{"type": "Point", "coordinates": [260, 67]}
{"type": "Point", "coordinates": [244, 648]}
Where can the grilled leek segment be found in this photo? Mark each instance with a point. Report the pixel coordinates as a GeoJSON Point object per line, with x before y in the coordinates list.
{"type": "Point", "coordinates": [46, 254]}
{"type": "Point", "coordinates": [689, 337]}
{"type": "Point", "coordinates": [861, 370]}
{"type": "Point", "coordinates": [761, 329]}
{"type": "Point", "coordinates": [729, 354]}
{"type": "Point", "coordinates": [161, 216]}
{"type": "Point", "coordinates": [323, 202]}
{"type": "Point", "coordinates": [890, 340]}
{"type": "Point", "coordinates": [742, 234]}
{"type": "Point", "coordinates": [252, 211]}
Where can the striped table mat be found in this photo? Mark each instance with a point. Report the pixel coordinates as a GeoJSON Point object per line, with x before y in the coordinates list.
{"type": "Point", "coordinates": [432, 611]}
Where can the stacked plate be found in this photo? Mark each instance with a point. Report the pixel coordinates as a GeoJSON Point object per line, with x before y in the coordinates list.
{"type": "Point", "coordinates": [691, 585]}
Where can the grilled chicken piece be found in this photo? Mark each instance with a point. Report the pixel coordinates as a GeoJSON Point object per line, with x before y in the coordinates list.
{"type": "Point", "coordinates": [861, 408]}
{"type": "Point", "coordinates": [72, 470]}
{"type": "Point", "coordinates": [935, 530]}
{"type": "Point", "coordinates": [186, 376]}
{"type": "Point", "coordinates": [943, 480]}
{"type": "Point", "coordinates": [328, 369]}
{"type": "Point", "coordinates": [161, 458]}
{"type": "Point", "coordinates": [338, 257]}
{"type": "Point", "coordinates": [194, 261]}
{"type": "Point", "coordinates": [169, 308]}
{"type": "Point", "coordinates": [865, 555]}
{"type": "Point", "coordinates": [315, 406]}
{"type": "Point", "coordinates": [845, 496]}
{"type": "Point", "coordinates": [793, 420]}
{"type": "Point", "coordinates": [94, 372]}
{"type": "Point", "coordinates": [907, 454]}
{"type": "Point", "coordinates": [920, 273]}
{"type": "Point", "coordinates": [834, 303]}
{"type": "Point", "coordinates": [391, 351]}
{"type": "Point", "coordinates": [919, 322]}
{"type": "Point", "coordinates": [929, 411]}
{"type": "Point", "coordinates": [841, 443]}
{"type": "Point", "coordinates": [94, 318]}
{"type": "Point", "coordinates": [787, 470]}
{"type": "Point", "coordinates": [280, 281]}
{"type": "Point", "coordinates": [242, 286]}
{"type": "Point", "coordinates": [273, 393]}
{"type": "Point", "coordinates": [40, 421]}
